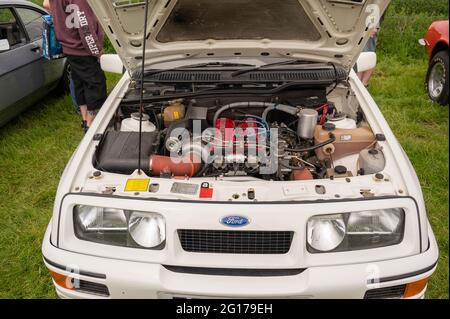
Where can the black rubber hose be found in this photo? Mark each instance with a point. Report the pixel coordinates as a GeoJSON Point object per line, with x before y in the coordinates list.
{"type": "Point", "coordinates": [315, 147]}
{"type": "Point", "coordinates": [203, 170]}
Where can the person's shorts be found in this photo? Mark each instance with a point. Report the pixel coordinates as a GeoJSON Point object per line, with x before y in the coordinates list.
{"type": "Point", "coordinates": [89, 81]}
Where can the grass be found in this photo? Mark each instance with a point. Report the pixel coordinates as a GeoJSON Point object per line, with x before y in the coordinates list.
{"type": "Point", "coordinates": [422, 129]}
{"type": "Point", "coordinates": [35, 147]}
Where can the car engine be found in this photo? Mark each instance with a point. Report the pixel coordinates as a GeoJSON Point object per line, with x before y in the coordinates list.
{"type": "Point", "coordinates": [288, 138]}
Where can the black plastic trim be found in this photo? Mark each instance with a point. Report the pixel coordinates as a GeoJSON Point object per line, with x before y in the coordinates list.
{"type": "Point", "coordinates": [81, 272]}
{"type": "Point", "coordinates": [404, 276]}
{"type": "Point", "coordinates": [92, 288]}
{"type": "Point", "coordinates": [320, 75]}
{"type": "Point", "coordinates": [394, 292]}
{"type": "Point", "coordinates": [239, 272]}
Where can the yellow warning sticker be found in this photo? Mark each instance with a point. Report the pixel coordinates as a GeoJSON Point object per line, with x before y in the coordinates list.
{"type": "Point", "coordinates": [137, 185]}
{"type": "Point", "coordinates": [176, 115]}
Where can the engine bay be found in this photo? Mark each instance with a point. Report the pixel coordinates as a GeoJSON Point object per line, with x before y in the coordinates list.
{"type": "Point", "coordinates": [301, 134]}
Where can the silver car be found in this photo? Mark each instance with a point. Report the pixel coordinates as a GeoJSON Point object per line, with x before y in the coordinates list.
{"type": "Point", "coordinates": [25, 76]}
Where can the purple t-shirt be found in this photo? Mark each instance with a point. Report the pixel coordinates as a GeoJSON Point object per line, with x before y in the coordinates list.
{"type": "Point", "coordinates": [77, 28]}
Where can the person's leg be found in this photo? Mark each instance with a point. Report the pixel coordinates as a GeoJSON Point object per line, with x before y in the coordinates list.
{"type": "Point", "coordinates": [360, 76]}
{"type": "Point", "coordinates": [72, 96]}
{"type": "Point", "coordinates": [90, 116]}
{"type": "Point", "coordinates": [84, 116]}
{"type": "Point", "coordinates": [95, 89]}
{"type": "Point", "coordinates": [366, 76]}
{"type": "Point", "coordinates": [78, 85]}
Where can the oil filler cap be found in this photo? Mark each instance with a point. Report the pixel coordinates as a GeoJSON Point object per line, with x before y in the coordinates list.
{"type": "Point", "coordinates": [329, 127]}
{"type": "Point", "coordinates": [97, 174]}
{"type": "Point", "coordinates": [340, 170]}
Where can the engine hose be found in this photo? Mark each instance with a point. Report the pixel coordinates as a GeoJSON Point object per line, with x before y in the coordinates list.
{"type": "Point", "coordinates": [188, 166]}
{"type": "Point", "coordinates": [321, 174]}
{"type": "Point", "coordinates": [270, 106]}
{"type": "Point", "coordinates": [323, 118]}
{"type": "Point", "coordinates": [315, 147]}
{"type": "Point", "coordinates": [279, 107]}
{"type": "Point", "coordinates": [203, 170]}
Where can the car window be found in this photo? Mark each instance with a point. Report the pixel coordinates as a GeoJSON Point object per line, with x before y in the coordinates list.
{"type": "Point", "coordinates": [33, 22]}
{"type": "Point", "coordinates": [10, 28]}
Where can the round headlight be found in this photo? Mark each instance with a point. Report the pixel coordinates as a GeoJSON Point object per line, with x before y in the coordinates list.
{"type": "Point", "coordinates": [147, 229]}
{"type": "Point", "coordinates": [326, 233]}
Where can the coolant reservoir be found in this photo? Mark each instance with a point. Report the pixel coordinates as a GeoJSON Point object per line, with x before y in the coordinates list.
{"type": "Point", "coordinates": [371, 161]}
{"type": "Point", "coordinates": [343, 122]}
{"type": "Point", "coordinates": [348, 141]}
{"type": "Point", "coordinates": [132, 124]}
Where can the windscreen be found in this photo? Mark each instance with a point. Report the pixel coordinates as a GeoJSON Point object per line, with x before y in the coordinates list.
{"type": "Point", "coordinates": [192, 20]}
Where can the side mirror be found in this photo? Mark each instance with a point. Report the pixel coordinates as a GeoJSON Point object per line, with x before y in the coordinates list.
{"type": "Point", "coordinates": [423, 42]}
{"type": "Point", "coordinates": [4, 45]}
{"type": "Point", "coordinates": [111, 63]}
{"type": "Point", "coordinates": [366, 61]}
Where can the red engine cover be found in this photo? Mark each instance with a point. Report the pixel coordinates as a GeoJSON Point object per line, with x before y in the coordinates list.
{"type": "Point", "coordinates": [236, 136]}
{"type": "Point", "coordinates": [225, 133]}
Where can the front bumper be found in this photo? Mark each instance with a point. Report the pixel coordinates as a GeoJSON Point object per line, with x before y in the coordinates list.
{"type": "Point", "coordinates": [126, 279]}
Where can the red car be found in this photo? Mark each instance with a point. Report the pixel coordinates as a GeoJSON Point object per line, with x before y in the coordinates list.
{"type": "Point", "coordinates": [436, 43]}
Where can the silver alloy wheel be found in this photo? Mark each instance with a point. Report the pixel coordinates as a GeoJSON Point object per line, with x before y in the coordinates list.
{"type": "Point", "coordinates": [436, 80]}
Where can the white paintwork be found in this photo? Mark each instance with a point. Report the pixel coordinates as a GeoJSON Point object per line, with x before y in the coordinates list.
{"type": "Point", "coordinates": [111, 63]}
{"type": "Point", "coordinates": [149, 279]}
{"type": "Point", "coordinates": [329, 275]}
{"type": "Point", "coordinates": [352, 21]}
{"type": "Point", "coordinates": [366, 61]}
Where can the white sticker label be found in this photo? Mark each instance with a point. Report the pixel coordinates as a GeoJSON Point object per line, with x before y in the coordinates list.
{"type": "Point", "coordinates": [183, 188]}
{"type": "Point", "coordinates": [346, 138]}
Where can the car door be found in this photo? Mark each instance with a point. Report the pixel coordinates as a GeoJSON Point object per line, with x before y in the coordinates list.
{"type": "Point", "coordinates": [32, 21]}
{"type": "Point", "coordinates": [25, 76]}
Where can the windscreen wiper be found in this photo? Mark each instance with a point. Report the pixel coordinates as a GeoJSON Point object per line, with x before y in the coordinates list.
{"type": "Point", "coordinates": [199, 65]}
{"type": "Point", "coordinates": [262, 67]}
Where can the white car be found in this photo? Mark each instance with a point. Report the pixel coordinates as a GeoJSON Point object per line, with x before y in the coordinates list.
{"type": "Point", "coordinates": [260, 166]}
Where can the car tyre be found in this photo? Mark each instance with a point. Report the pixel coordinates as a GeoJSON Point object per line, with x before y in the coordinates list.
{"type": "Point", "coordinates": [437, 81]}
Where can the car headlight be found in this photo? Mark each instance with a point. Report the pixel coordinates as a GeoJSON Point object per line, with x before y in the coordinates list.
{"type": "Point", "coordinates": [355, 231]}
{"type": "Point", "coordinates": [325, 233]}
{"type": "Point", "coordinates": [119, 227]}
{"type": "Point", "coordinates": [147, 229]}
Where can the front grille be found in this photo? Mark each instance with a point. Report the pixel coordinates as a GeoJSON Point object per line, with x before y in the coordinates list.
{"type": "Point", "coordinates": [92, 288]}
{"type": "Point", "coordinates": [386, 293]}
{"type": "Point", "coordinates": [235, 242]}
